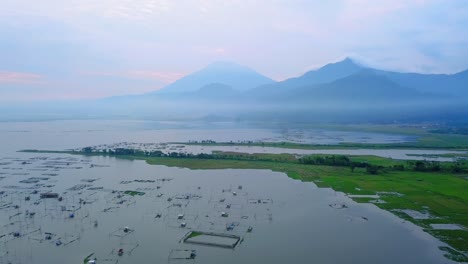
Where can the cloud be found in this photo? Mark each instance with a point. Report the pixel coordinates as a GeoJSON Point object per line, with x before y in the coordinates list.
{"type": "Point", "coordinates": [161, 76]}
{"type": "Point", "coordinates": [166, 77]}
{"type": "Point", "coordinates": [20, 78]}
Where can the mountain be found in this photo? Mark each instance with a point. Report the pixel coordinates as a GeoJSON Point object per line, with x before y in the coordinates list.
{"type": "Point", "coordinates": [238, 77]}
{"type": "Point", "coordinates": [214, 92]}
{"type": "Point", "coordinates": [363, 86]}
{"type": "Point", "coordinates": [342, 91]}
{"type": "Point", "coordinates": [438, 84]}
{"type": "Point", "coordinates": [449, 84]}
{"type": "Point", "coordinates": [325, 74]}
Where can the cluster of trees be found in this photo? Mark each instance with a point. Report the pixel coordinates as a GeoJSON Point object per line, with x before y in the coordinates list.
{"type": "Point", "coordinates": [207, 141]}
{"type": "Point", "coordinates": [423, 165]}
{"type": "Point", "coordinates": [458, 167]}
{"type": "Point", "coordinates": [434, 166]}
{"type": "Point", "coordinates": [333, 160]}
{"type": "Point", "coordinates": [155, 153]}
{"type": "Point", "coordinates": [340, 160]}
{"type": "Point", "coordinates": [117, 151]}
{"type": "Point", "coordinates": [330, 160]}
{"type": "Point", "coordinates": [87, 150]}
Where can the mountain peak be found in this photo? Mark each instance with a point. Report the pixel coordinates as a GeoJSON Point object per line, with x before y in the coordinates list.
{"type": "Point", "coordinates": [345, 64]}
{"type": "Point", "coordinates": [348, 60]}
{"type": "Point", "coordinates": [237, 76]}
{"type": "Point", "coordinates": [332, 71]}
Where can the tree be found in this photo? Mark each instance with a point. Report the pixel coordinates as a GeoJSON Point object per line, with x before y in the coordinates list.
{"type": "Point", "coordinates": [371, 169]}
{"type": "Point", "coordinates": [87, 150]}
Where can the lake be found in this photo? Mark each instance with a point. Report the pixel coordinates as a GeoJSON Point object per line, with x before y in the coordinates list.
{"type": "Point", "coordinates": [290, 221]}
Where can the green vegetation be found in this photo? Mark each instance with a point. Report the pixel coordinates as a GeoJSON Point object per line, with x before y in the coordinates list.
{"type": "Point", "coordinates": [134, 193]}
{"type": "Point", "coordinates": [194, 234]}
{"type": "Point", "coordinates": [438, 188]}
{"type": "Point", "coordinates": [88, 258]}
{"type": "Point", "coordinates": [445, 155]}
{"type": "Point", "coordinates": [454, 255]}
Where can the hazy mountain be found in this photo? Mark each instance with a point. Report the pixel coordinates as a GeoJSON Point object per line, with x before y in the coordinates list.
{"type": "Point", "coordinates": [363, 86]}
{"type": "Point", "coordinates": [343, 90]}
{"type": "Point", "coordinates": [212, 91]}
{"type": "Point", "coordinates": [238, 77]}
{"type": "Point", "coordinates": [449, 84]}
{"type": "Point", "coordinates": [439, 84]}
{"type": "Point", "coordinates": [325, 74]}
{"type": "Point", "coordinates": [215, 91]}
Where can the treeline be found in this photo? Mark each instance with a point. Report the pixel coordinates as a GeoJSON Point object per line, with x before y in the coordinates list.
{"type": "Point", "coordinates": [332, 160]}
{"type": "Point", "coordinates": [434, 166]}
{"type": "Point", "coordinates": [158, 153]}
{"type": "Point", "coordinates": [419, 165]}
{"type": "Point", "coordinates": [341, 161]}
{"type": "Point", "coordinates": [209, 141]}
{"type": "Point", "coordinates": [206, 141]}
{"type": "Point", "coordinates": [329, 160]}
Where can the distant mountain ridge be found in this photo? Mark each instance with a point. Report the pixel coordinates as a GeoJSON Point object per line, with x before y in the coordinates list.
{"type": "Point", "coordinates": [363, 86]}
{"type": "Point", "coordinates": [325, 74]}
{"type": "Point", "coordinates": [328, 73]}
{"type": "Point", "coordinates": [253, 84]}
{"type": "Point", "coordinates": [238, 77]}
{"type": "Point", "coordinates": [450, 84]}
{"type": "Point", "coordinates": [442, 84]}
{"type": "Point", "coordinates": [338, 92]}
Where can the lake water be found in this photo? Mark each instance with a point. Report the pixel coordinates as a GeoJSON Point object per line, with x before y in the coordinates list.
{"type": "Point", "coordinates": [292, 222]}
{"type": "Point", "coordinates": [72, 134]}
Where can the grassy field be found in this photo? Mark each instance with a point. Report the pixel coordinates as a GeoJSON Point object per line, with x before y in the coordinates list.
{"type": "Point", "coordinates": [442, 194]}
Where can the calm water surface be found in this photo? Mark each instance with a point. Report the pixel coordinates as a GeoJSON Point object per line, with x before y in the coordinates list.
{"type": "Point", "coordinates": [292, 221]}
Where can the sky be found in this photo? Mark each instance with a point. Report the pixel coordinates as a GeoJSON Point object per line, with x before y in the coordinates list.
{"type": "Point", "coordinates": [75, 49]}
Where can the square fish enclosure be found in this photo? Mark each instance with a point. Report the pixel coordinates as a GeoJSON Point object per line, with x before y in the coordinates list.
{"type": "Point", "coordinates": [211, 239]}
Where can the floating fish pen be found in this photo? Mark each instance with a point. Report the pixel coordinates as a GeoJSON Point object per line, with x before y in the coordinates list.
{"type": "Point", "coordinates": [182, 254]}
{"type": "Point", "coordinates": [49, 195]}
{"type": "Point", "coordinates": [211, 239]}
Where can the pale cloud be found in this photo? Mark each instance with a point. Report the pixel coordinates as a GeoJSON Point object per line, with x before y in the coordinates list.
{"type": "Point", "coordinates": [20, 78]}
{"type": "Point", "coordinates": [220, 51]}
{"type": "Point", "coordinates": [162, 76]}
{"type": "Point", "coordinates": [166, 77]}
